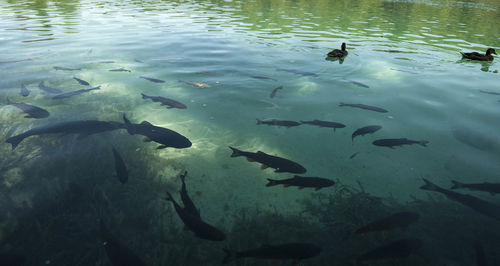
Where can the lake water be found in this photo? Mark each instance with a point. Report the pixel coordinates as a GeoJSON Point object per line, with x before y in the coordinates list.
{"type": "Point", "coordinates": [222, 59]}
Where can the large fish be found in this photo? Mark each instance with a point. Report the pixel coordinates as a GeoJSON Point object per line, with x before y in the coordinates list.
{"type": "Point", "coordinates": [24, 91]}
{"type": "Point", "coordinates": [479, 205]}
{"type": "Point", "coordinates": [399, 219]}
{"type": "Point", "coordinates": [394, 250]}
{"type": "Point", "coordinates": [120, 70]}
{"type": "Point", "coordinates": [186, 200]}
{"type": "Point", "coordinates": [280, 164]}
{"type": "Point", "coordinates": [298, 72]}
{"type": "Point", "coordinates": [302, 182]}
{"type": "Point", "coordinates": [365, 130]}
{"type": "Point", "coordinates": [200, 228]}
{"type": "Point", "coordinates": [164, 136]}
{"type": "Point", "coordinates": [398, 142]}
{"type": "Point", "coordinates": [74, 93]}
{"type": "Point", "coordinates": [152, 79]}
{"type": "Point", "coordinates": [81, 81]}
{"type": "Point", "coordinates": [31, 110]}
{"type": "Point", "coordinates": [289, 251]}
{"type": "Point", "coordinates": [279, 123]}
{"type": "Point", "coordinates": [492, 188]}
{"type": "Point", "coordinates": [84, 128]}
{"type": "Point", "coordinates": [120, 168]}
{"type": "Point", "coordinates": [165, 101]}
{"type": "Point", "coordinates": [364, 106]}
{"type": "Point", "coordinates": [322, 123]}
{"type": "Point", "coordinates": [118, 254]}
{"type": "Point", "coordinates": [48, 89]}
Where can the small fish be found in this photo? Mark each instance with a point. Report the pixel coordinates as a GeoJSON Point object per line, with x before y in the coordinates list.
{"type": "Point", "coordinates": [165, 101]}
{"type": "Point", "coordinates": [186, 200]}
{"type": "Point", "coordinates": [302, 182]}
{"type": "Point", "coordinates": [31, 110]}
{"type": "Point", "coordinates": [120, 168]}
{"type": "Point", "coordinates": [273, 93]}
{"type": "Point", "coordinates": [139, 61]}
{"type": "Point", "coordinates": [321, 123]}
{"type": "Point", "coordinates": [48, 89]}
{"type": "Point", "coordinates": [73, 93]}
{"type": "Point", "coordinates": [358, 83]}
{"type": "Point", "coordinates": [279, 123]}
{"type": "Point", "coordinates": [120, 70]}
{"type": "Point", "coordinates": [490, 92]}
{"type": "Point", "coordinates": [16, 60]}
{"type": "Point", "coordinates": [396, 51]}
{"type": "Point", "coordinates": [353, 155]}
{"type": "Point", "coordinates": [365, 130]}
{"type": "Point", "coordinates": [298, 72]}
{"type": "Point", "coordinates": [398, 142]}
{"type": "Point", "coordinates": [196, 84]}
{"type": "Point", "coordinates": [280, 164]}
{"type": "Point", "coordinates": [66, 68]}
{"type": "Point", "coordinates": [262, 77]}
{"type": "Point", "coordinates": [289, 251]}
{"type": "Point", "coordinates": [395, 250]}
{"type": "Point", "coordinates": [24, 91]}
{"type": "Point", "coordinates": [405, 71]}
{"type": "Point", "coordinates": [400, 219]}
{"type": "Point", "coordinates": [153, 79]}
{"type": "Point", "coordinates": [492, 188]}
{"type": "Point", "coordinates": [81, 81]}
{"type": "Point", "coordinates": [106, 62]}
{"type": "Point", "coordinates": [366, 107]}
{"type": "Point", "coordinates": [118, 254]}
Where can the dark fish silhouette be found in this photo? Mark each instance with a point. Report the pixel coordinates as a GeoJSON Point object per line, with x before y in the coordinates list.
{"type": "Point", "coordinates": [262, 77]}
{"type": "Point", "coordinates": [353, 155]}
{"type": "Point", "coordinates": [273, 93]}
{"type": "Point", "coordinates": [400, 219]}
{"type": "Point", "coordinates": [81, 81]}
{"type": "Point", "coordinates": [66, 68]}
{"type": "Point", "coordinates": [398, 142]}
{"type": "Point", "coordinates": [153, 79]}
{"type": "Point", "coordinates": [365, 130]}
{"type": "Point", "coordinates": [120, 70]}
{"type": "Point", "coordinates": [48, 89]}
{"type": "Point", "coordinates": [74, 93]}
{"type": "Point", "coordinates": [106, 62]}
{"type": "Point", "coordinates": [31, 110]}
{"type": "Point", "coordinates": [12, 259]}
{"type": "Point", "coordinates": [298, 72]}
{"type": "Point", "coordinates": [120, 168]}
{"type": "Point", "coordinates": [479, 205]}
{"type": "Point", "coordinates": [84, 128]}
{"type": "Point", "coordinates": [164, 136]}
{"type": "Point", "coordinates": [321, 123]}
{"type": "Point", "coordinates": [186, 200]}
{"type": "Point", "coordinates": [279, 123]}
{"type": "Point", "coordinates": [492, 188]}
{"type": "Point", "coordinates": [289, 251]}
{"type": "Point", "coordinates": [302, 182]}
{"type": "Point", "coordinates": [24, 91]}
{"type": "Point", "coordinates": [165, 101]}
{"type": "Point", "coordinates": [358, 83]}
{"type": "Point", "coordinates": [192, 222]}
{"type": "Point", "coordinates": [490, 92]}
{"type": "Point", "coordinates": [118, 254]}
{"type": "Point", "coordinates": [366, 107]}
{"type": "Point", "coordinates": [280, 164]}
{"type": "Point", "coordinates": [394, 250]}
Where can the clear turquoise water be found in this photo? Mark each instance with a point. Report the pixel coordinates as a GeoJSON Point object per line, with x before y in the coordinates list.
{"type": "Point", "coordinates": [407, 52]}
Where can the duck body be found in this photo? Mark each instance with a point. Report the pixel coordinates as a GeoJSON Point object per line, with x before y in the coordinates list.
{"type": "Point", "coordinates": [480, 57]}
{"type": "Point", "coordinates": [338, 53]}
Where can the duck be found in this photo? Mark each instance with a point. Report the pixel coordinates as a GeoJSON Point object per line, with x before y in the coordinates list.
{"type": "Point", "coordinates": [480, 57]}
{"type": "Point", "coordinates": [338, 53]}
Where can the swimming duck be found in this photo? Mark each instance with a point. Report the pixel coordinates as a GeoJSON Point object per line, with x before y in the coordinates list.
{"type": "Point", "coordinates": [338, 53]}
{"type": "Point", "coordinates": [480, 57]}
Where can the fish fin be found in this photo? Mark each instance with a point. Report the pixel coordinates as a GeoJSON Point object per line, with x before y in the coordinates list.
{"type": "Point", "coordinates": [128, 125]}
{"type": "Point", "coordinates": [423, 143]}
{"type": "Point", "coordinates": [342, 104]}
{"type": "Point", "coordinates": [230, 255]}
{"type": "Point", "coordinates": [250, 159]}
{"type": "Point", "coordinates": [262, 167]}
{"type": "Point", "coordinates": [146, 139]}
{"type": "Point", "coordinates": [259, 121]}
{"type": "Point", "coordinates": [428, 185]}
{"type": "Point", "coordinates": [236, 152]}
{"type": "Point", "coordinates": [161, 147]}
{"type": "Point", "coordinates": [169, 197]}
{"type": "Point", "coordinates": [145, 123]}
{"type": "Point", "coordinates": [14, 141]}
{"type": "Point", "coordinates": [456, 184]}
{"type": "Point", "coordinates": [272, 182]}
{"type": "Point", "coordinates": [144, 96]}
{"type": "Point", "coordinates": [170, 107]}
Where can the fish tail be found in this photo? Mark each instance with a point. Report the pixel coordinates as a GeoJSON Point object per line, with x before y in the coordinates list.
{"type": "Point", "coordinates": [169, 197]}
{"type": "Point", "coordinates": [128, 125]}
{"type": "Point", "coordinates": [144, 96]}
{"type": "Point", "coordinates": [429, 186]}
{"type": "Point", "coordinates": [456, 184]}
{"type": "Point", "coordinates": [236, 152]}
{"type": "Point", "coordinates": [272, 182]}
{"type": "Point", "coordinates": [259, 121]}
{"type": "Point", "coordinates": [183, 176]}
{"type": "Point", "coordinates": [342, 104]}
{"type": "Point", "coordinates": [423, 143]}
{"type": "Point", "coordinates": [15, 140]}
{"type": "Point", "coordinates": [230, 256]}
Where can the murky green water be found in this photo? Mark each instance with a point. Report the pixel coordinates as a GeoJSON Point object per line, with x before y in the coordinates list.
{"type": "Point", "coordinates": [403, 57]}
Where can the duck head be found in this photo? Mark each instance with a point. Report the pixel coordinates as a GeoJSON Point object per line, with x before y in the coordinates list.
{"type": "Point", "coordinates": [490, 51]}
{"type": "Point", "coordinates": [343, 47]}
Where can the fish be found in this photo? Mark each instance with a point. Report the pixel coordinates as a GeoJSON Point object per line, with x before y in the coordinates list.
{"type": "Point", "coordinates": [484, 207]}
{"type": "Point", "coordinates": [48, 89]}
{"type": "Point", "coordinates": [353, 155]}
{"type": "Point", "coordinates": [152, 79]}
{"type": "Point", "coordinates": [73, 93]}
{"type": "Point", "coordinates": [186, 200]}
{"type": "Point", "coordinates": [273, 93]}
{"type": "Point", "coordinates": [81, 81]}
{"type": "Point", "coordinates": [16, 60]}
{"type": "Point", "coordinates": [163, 136]}
{"type": "Point", "coordinates": [196, 84]}
{"type": "Point", "coordinates": [66, 68]}
{"type": "Point", "coordinates": [280, 165]}
{"type": "Point", "coordinates": [405, 71]}
{"type": "Point", "coordinates": [192, 222]}
{"type": "Point", "coordinates": [279, 123]}
{"type": "Point", "coordinates": [83, 128]}
{"type": "Point", "coordinates": [262, 77]}
{"type": "Point", "coordinates": [120, 70]}
{"type": "Point", "coordinates": [399, 219]}
{"type": "Point", "coordinates": [24, 91]}
{"type": "Point", "coordinates": [397, 249]}
{"type": "Point", "coordinates": [358, 83]}
{"type": "Point", "coordinates": [302, 182]}
{"type": "Point", "coordinates": [490, 92]}
{"type": "Point", "coordinates": [399, 142]}
{"type": "Point", "coordinates": [31, 110]}
{"type": "Point", "coordinates": [365, 130]}
{"type": "Point", "coordinates": [139, 61]}
{"type": "Point", "coordinates": [288, 251]}
{"type": "Point", "coordinates": [165, 101]}
{"type": "Point", "coordinates": [366, 107]}
{"type": "Point", "coordinates": [492, 188]}
{"type": "Point", "coordinates": [106, 62]}
{"type": "Point", "coordinates": [118, 254]}
{"type": "Point", "coordinates": [322, 123]}
{"type": "Point", "coordinates": [12, 259]}
{"type": "Point", "coordinates": [298, 72]}
{"type": "Point", "coordinates": [120, 168]}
